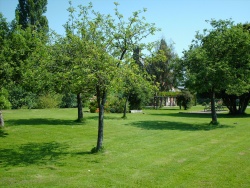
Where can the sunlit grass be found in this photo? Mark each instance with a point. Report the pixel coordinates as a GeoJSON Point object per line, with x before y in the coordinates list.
{"type": "Point", "coordinates": [159, 148]}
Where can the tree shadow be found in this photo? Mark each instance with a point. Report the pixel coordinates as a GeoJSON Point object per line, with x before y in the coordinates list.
{"type": "Point", "coordinates": [3, 133]}
{"type": "Point", "coordinates": [167, 125]}
{"type": "Point", "coordinates": [106, 117]}
{"type": "Point", "coordinates": [32, 153]}
{"type": "Point", "coordinates": [200, 115]}
{"type": "Point", "coordinates": [35, 153]}
{"type": "Point", "coordinates": [41, 121]}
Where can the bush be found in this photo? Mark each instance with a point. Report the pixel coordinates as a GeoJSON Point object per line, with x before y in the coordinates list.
{"type": "Point", "coordinates": [184, 99]}
{"type": "Point", "coordinates": [93, 106]}
{"type": "Point", "coordinates": [49, 100]}
{"type": "Point", "coordinates": [204, 104]}
{"type": "Point", "coordinates": [4, 102]}
{"type": "Point", "coordinates": [115, 104]}
{"type": "Point", "coordinates": [20, 98]}
{"type": "Point", "coordinates": [68, 101]}
{"type": "Point", "coordinates": [17, 96]}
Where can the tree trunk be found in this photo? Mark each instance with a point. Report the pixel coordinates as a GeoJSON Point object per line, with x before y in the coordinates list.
{"type": "Point", "coordinates": [125, 108]}
{"type": "Point", "coordinates": [231, 102]}
{"type": "Point", "coordinates": [1, 120]}
{"type": "Point", "coordinates": [213, 110]}
{"type": "Point", "coordinates": [244, 100]}
{"type": "Point", "coordinates": [79, 107]}
{"type": "Point", "coordinates": [154, 102]}
{"type": "Point", "coordinates": [101, 100]}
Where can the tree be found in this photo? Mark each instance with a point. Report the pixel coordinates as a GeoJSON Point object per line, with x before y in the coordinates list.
{"type": "Point", "coordinates": [31, 13]}
{"type": "Point", "coordinates": [212, 59]}
{"type": "Point", "coordinates": [70, 67]}
{"type": "Point", "coordinates": [237, 95]}
{"type": "Point", "coordinates": [161, 67]}
{"type": "Point", "coordinates": [1, 120]}
{"type": "Point", "coordinates": [5, 71]}
{"type": "Point", "coordinates": [109, 43]}
{"type": "Point", "coordinates": [18, 42]}
{"type": "Point", "coordinates": [135, 85]}
{"type": "Point", "coordinates": [184, 99]}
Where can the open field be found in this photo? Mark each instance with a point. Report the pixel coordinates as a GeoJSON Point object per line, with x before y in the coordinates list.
{"type": "Point", "coordinates": [160, 148]}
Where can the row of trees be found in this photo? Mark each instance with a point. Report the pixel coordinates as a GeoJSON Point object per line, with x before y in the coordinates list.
{"type": "Point", "coordinates": [98, 54]}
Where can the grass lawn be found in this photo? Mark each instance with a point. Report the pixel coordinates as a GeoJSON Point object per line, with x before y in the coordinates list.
{"type": "Point", "coordinates": [160, 148]}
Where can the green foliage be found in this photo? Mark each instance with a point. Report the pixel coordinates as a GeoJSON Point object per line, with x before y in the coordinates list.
{"type": "Point", "coordinates": [139, 98]}
{"type": "Point", "coordinates": [169, 93]}
{"type": "Point", "coordinates": [93, 106]}
{"type": "Point", "coordinates": [4, 102]}
{"type": "Point", "coordinates": [115, 104]}
{"type": "Point", "coordinates": [31, 13]}
{"type": "Point", "coordinates": [98, 45]}
{"type": "Point", "coordinates": [49, 100]}
{"type": "Point", "coordinates": [17, 96]}
{"type": "Point", "coordinates": [218, 61]}
{"type": "Point", "coordinates": [21, 98]}
{"type": "Point", "coordinates": [204, 104]}
{"type": "Point", "coordinates": [161, 66]}
{"type": "Point", "coordinates": [68, 100]}
{"type": "Point", "coordinates": [184, 99]}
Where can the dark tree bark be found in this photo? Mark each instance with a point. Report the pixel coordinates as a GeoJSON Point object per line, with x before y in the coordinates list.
{"type": "Point", "coordinates": [101, 100]}
{"type": "Point", "coordinates": [236, 104]}
{"type": "Point", "coordinates": [213, 110]}
{"type": "Point", "coordinates": [125, 108]}
{"type": "Point", "coordinates": [243, 102]}
{"type": "Point", "coordinates": [79, 107]}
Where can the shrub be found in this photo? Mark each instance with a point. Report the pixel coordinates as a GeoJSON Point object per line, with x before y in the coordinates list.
{"type": "Point", "coordinates": [93, 106]}
{"type": "Point", "coordinates": [204, 104]}
{"type": "Point", "coordinates": [49, 100]}
{"type": "Point", "coordinates": [68, 101]}
{"type": "Point", "coordinates": [4, 102]}
{"type": "Point", "coordinates": [17, 96]}
{"type": "Point", "coordinates": [20, 98]}
{"type": "Point", "coordinates": [115, 104]}
{"type": "Point", "coordinates": [184, 99]}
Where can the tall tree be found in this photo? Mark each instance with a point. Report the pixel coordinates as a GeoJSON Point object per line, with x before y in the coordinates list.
{"type": "Point", "coordinates": [5, 72]}
{"type": "Point", "coordinates": [161, 66]}
{"type": "Point", "coordinates": [31, 13]}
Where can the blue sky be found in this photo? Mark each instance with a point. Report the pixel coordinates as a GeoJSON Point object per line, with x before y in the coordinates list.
{"type": "Point", "coordinates": [178, 19]}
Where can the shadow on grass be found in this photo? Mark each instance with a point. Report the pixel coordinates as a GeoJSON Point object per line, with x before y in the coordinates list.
{"type": "Point", "coordinates": [35, 153]}
{"type": "Point", "coordinates": [200, 115]}
{"type": "Point", "coordinates": [41, 121]}
{"type": "Point", "coordinates": [31, 153]}
{"type": "Point", "coordinates": [167, 125]}
{"type": "Point", "coordinates": [3, 133]}
{"type": "Point", "coordinates": [50, 121]}
{"type": "Point", "coordinates": [107, 117]}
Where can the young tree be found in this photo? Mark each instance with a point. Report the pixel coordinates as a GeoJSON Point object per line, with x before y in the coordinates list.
{"type": "Point", "coordinates": [135, 86]}
{"type": "Point", "coordinates": [70, 67]}
{"type": "Point", "coordinates": [109, 43]}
